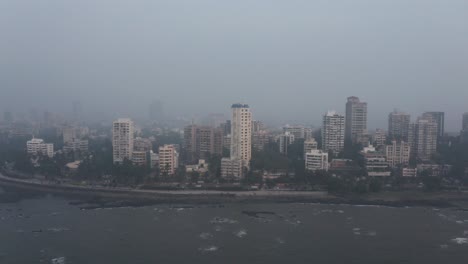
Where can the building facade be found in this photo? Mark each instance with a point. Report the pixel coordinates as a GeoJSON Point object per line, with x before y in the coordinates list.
{"type": "Point", "coordinates": [398, 125]}
{"type": "Point", "coordinates": [241, 133]}
{"type": "Point", "coordinates": [439, 119]}
{"type": "Point", "coordinates": [37, 146]}
{"type": "Point", "coordinates": [309, 145]}
{"type": "Point", "coordinates": [333, 132]}
{"type": "Point", "coordinates": [285, 140]}
{"type": "Point", "coordinates": [398, 153]}
{"type": "Point", "coordinates": [356, 120]}
{"type": "Point", "coordinates": [423, 138]}
{"type": "Point", "coordinates": [168, 160]}
{"type": "Point", "coordinates": [316, 160]}
{"type": "Point", "coordinates": [122, 140]}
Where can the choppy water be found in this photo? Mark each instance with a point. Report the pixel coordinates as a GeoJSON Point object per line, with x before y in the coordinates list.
{"type": "Point", "coordinates": [49, 230]}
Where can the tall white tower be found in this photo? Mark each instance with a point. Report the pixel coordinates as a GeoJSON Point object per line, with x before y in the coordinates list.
{"type": "Point", "coordinates": [122, 140]}
{"type": "Point", "coordinates": [241, 133]}
{"type": "Point", "coordinates": [333, 132]}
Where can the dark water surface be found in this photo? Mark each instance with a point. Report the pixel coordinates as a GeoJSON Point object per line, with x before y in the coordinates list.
{"type": "Point", "coordinates": [43, 230]}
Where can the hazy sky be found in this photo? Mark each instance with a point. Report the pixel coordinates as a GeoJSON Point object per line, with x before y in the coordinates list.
{"type": "Point", "coordinates": [288, 59]}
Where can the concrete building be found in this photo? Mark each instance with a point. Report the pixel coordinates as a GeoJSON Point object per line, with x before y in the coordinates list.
{"type": "Point", "coordinates": [241, 133]}
{"type": "Point", "coordinates": [398, 154]}
{"type": "Point", "coordinates": [69, 134]}
{"type": "Point", "coordinates": [232, 168]}
{"type": "Point", "coordinates": [409, 172]}
{"type": "Point", "coordinates": [316, 160]}
{"type": "Point", "coordinates": [356, 120]}
{"type": "Point", "coordinates": [227, 142]}
{"type": "Point", "coordinates": [122, 140]}
{"type": "Point", "coordinates": [241, 143]}
{"type": "Point", "coordinates": [202, 141]}
{"type": "Point", "coordinates": [154, 159]}
{"type": "Point", "coordinates": [423, 138]}
{"type": "Point", "coordinates": [37, 146]}
{"type": "Point", "coordinates": [379, 139]}
{"type": "Point", "coordinates": [80, 145]}
{"type": "Point", "coordinates": [168, 159]}
{"type": "Point", "coordinates": [142, 144]}
{"type": "Point", "coordinates": [439, 118]}
{"type": "Point", "coordinates": [464, 131]}
{"type": "Point", "coordinates": [333, 132]}
{"type": "Point", "coordinates": [257, 126]}
{"type": "Point", "coordinates": [140, 158]}
{"type": "Point", "coordinates": [298, 131]}
{"type": "Point", "coordinates": [398, 125]}
{"type": "Point", "coordinates": [375, 162]}
{"type": "Point", "coordinates": [285, 140]}
{"type": "Point", "coordinates": [309, 145]}
{"type": "Point", "coordinates": [260, 139]}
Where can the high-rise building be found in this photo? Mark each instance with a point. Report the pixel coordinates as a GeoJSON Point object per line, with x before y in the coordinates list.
{"type": "Point", "coordinates": [190, 144]}
{"type": "Point", "coordinates": [333, 132]}
{"type": "Point", "coordinates": [168, 159]}
{"type": "Point", "coordinates": [241, 142]}
{"type": "Point", "coordinates": [464, 131]}
{"type": "Point", "coordinates": [398, 125]}
{"type": "Point", "coordinates": [439, 118]}
{"type": "Point", "coordinates": [241, 133]}
{"type": "Point", "coordinates": [260, 139]}
{"type": "Point", "coordinates": [37, 146]}
{"type": "Point", "coordinates": [356, 120]}
{"type": "Point", "coordinates": [69, 134]}
{"type": "Point", "coordinates": [257, 126]}
{"type": "Point", "coordinates": [398, 153]}
{"type": "Point", "coordinates": [316, 160]}
{"type": "Point", "coordinates": [465, 121]}
{"type": "Point", "coordinates": [285, 140]}
{"type": "Point", "coordinates": [122, 139]}
{"type": "Point", "coordinates": [423, 138]}
{"type": "Point", "coordinates": [202, 141]}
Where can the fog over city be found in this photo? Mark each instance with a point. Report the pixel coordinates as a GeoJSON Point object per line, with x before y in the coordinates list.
{"type": "Point", "coordinates": [291, 61]}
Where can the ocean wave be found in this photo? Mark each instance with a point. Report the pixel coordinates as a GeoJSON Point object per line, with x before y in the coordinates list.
{"type": "Point", "coordinates": [208, 249]}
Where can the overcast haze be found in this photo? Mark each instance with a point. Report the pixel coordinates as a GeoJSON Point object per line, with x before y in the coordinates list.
{"type": "Point", "coordinates": [290, 60]}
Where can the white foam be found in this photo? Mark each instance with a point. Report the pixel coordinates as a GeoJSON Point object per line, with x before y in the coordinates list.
{"type": "Point", "coordinates": [219, 220]}
{"type": "Point", "coordinates": [60, 260]}
{"type": "Point", "coordinates": [206, 235]}
{"type": "Point", "coordinates": [371, 233]}
{"type": "Point", "coordinates": [241, 233]}
{"type": "Point", "coordinates": [209, 249]}
{"type": "Point", "coordinates": [460, 240]}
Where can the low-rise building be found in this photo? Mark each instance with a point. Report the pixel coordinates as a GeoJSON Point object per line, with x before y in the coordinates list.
{"type": "Point", "coordinates": [316, 160]}
{"type": "Point", "coordinates": [436, 170]}
{"type": "Point", "coordinates": [309, 145]}
{"type": "Point", "coordinates": [140, 158]}
{"type": "Point", "coordinates": [231, 168]}
{"type": "Point", "coordinates": [76, 145]}
{"type": "Point", "coordinates": [37, 146]}
{"type": "Point", "coordinates": [398, 154]}
{"type": "Point", "coordinates": [201, 167]}
{"type": "Point", "coordinates": [409, 172]}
